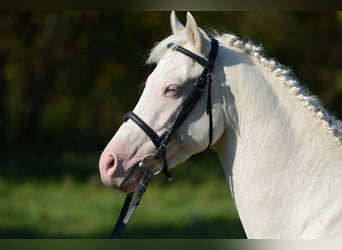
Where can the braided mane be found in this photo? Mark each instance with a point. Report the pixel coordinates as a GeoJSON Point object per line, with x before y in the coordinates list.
{"type": "Point", "coordinates": [288, 80]}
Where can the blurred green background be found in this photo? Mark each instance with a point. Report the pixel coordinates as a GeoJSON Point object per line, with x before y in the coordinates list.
{"type": "Point", "coordinates": [67, 79]}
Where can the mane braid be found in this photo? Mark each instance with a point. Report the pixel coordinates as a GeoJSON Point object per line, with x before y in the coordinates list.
{"type": "Point", "coordinates": [286, 77]}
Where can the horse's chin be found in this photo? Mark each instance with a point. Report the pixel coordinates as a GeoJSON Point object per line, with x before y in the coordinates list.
{"type": "Point", "coordinates": [131, 183]}
{"type": "Point", "coordinates": [128, 187]}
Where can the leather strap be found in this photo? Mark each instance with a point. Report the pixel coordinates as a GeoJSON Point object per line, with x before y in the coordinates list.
{"type": "Point", "coordinates": [130, 205]}
{"type": "Point", "coordinates": [161, 142]}
{"type": "Point", "coordinates": [147, 129]}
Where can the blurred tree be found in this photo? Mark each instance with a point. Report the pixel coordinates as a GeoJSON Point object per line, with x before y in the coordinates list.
{"type": "Point", "coordinates": [67, 78]}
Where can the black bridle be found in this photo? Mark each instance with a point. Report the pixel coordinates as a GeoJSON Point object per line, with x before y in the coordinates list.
{"type": "Point", "coordinates": [162, 142]}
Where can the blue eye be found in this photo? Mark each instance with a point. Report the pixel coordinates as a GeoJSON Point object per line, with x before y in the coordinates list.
{"type": "Point", "coordinates": [172, 90]}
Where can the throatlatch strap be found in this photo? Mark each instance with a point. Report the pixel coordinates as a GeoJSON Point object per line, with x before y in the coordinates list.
{"type": "Point", "coordinates": [210, 113]}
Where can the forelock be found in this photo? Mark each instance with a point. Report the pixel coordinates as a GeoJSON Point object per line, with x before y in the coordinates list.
{"type": "Point", "coordinates": [160, 48]}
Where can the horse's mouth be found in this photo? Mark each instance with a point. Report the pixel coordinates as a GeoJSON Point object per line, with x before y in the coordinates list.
{"type": "Point", "coordinates": [132, 179]}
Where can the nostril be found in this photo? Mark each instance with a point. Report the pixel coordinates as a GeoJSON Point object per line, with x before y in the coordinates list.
{"type": "Point", "coordinates": [107, 163]}
{"type": "Point", "coordinates": [108, 168]}
{"type": "Point", "coordinates": [110, 161]}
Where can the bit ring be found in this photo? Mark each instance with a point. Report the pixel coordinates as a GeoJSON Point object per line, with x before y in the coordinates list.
{"type": "Point", "coordinates": [142, 165]}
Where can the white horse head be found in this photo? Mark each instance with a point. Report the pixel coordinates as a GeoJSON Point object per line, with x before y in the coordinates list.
{"type": "Point", "coordinates": [280, 149]}
{"type": "Point", "coordinates": [165, 90]}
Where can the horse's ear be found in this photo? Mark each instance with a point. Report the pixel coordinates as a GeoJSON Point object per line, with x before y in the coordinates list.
{"type": "Point", "coordinates": [195, 35]}
{"type": "Point", "coordinates": [176, 25]}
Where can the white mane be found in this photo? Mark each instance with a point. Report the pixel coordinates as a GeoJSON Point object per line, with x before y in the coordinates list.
{"type": "Point", "coordinates": [284, 74]}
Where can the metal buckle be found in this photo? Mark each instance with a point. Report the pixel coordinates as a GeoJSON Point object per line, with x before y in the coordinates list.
{"type": "Point", "coordinates": [164, 145]}
{"type": "Point", "coordinates": [142, 165]}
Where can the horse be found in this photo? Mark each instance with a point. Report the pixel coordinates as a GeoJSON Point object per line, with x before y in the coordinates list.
{"type": "Point", "coordinates": [281, 150]}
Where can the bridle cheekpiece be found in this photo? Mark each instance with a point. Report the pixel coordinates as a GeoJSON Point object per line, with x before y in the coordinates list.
{"type": "Point", "coordinates": [162, 142]}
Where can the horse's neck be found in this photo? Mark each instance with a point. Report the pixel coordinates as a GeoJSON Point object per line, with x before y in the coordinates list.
{"type": "Point", "coordinates": [284, 169]}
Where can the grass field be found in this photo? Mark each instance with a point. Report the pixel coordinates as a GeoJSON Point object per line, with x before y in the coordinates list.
{"type": "Point", "coordinates": [60, 196]}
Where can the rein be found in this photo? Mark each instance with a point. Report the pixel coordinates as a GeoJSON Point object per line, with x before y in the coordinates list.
{"type": "Point", "coordinates": [162, 142]}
